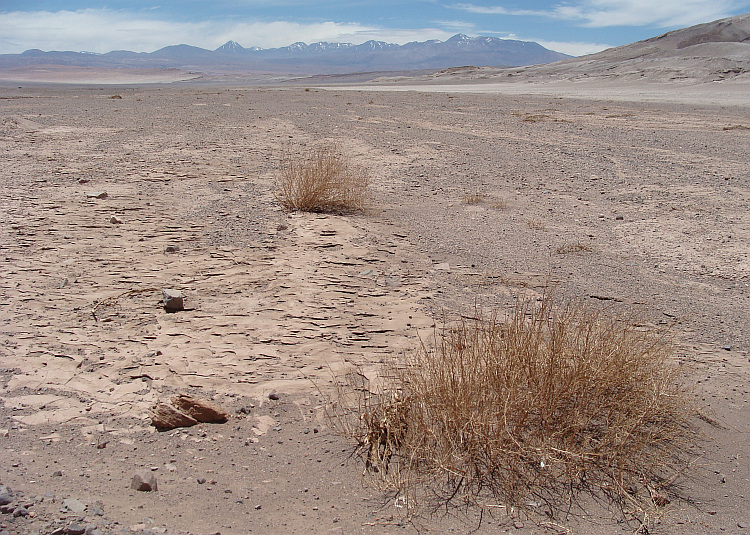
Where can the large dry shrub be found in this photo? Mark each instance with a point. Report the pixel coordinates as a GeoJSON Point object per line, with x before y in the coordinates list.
{"type": "Point", "coordinates": [540, 406]}
{"type": "Point", "coordinates": [320, 180]}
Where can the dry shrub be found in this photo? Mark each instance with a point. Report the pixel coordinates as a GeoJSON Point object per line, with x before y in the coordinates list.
{"type": "Point", "coordinates": [538, 408]}
{"type": "Point", "coordinates": [321, 180]}
{"type": "Point", "coordinates": [571, 248]}
{"type": "Point", "coordinates": [474, 198]}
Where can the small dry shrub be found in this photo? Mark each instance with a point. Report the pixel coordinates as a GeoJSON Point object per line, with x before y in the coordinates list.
{"type": "Point", "coordinates": [321, 180]}
{"type": "Point", "coordinates": [571, 248]}
{"type": "Point", "coordinates": [541, 406]}
{"type": "Point", "coordinates": [536, 224]}
{"type": "Point", "coordinates": [474, 198]}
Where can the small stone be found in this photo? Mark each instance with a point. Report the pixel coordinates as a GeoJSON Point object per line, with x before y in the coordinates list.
{"type": "Point", "coordinates": [75, 528]}
{"type": "Point", "coordinates": [201, 480]}
{"type": "Point", "coordinates": [96, 510]}
{"type": "Point", "coordinates": [20, 511]}
{"type": "Point", "coordinates": [5, 496]}
{"type": "Point", "coordinates": [144, 481]}
{"type": "Point", "coordinates": [7, 509]}
{"type": "Point", "coordinates": [97, 195]}
{"type": "Point", "coordinates": [273, 396]}
{"type": "Point", "coordinates": [171, 248]}
{"type": "Point", "coordinates": [742, 525]}
{"type": "Point", "coordinates": [518, 524]}
{"type": "Point", "coordinates": [258, 507]}
{"type": "Point", "coordinates": [619, 218]}
{"type": "Point", "coordinates": [57, 473]}
{"type": "Point", "coordinates": [115, 220]}
{"type": "Point", "coordinates": [727, 347]}
{"type": "Point", "coordinates": [172, 300]}
{"type": "Point", "coordinates": [73, 505]}
{"type": "Point", "coordinates": [660, 499]}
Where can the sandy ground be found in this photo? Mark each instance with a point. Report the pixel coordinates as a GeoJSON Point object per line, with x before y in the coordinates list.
{"type": "Point", "coordinates": [477, 197]}
{"type": "Point", "coordinates": [63, 74]}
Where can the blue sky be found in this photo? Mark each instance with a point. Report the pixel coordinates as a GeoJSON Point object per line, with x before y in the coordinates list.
{"type": "Point", "coordinates": [572, 26]}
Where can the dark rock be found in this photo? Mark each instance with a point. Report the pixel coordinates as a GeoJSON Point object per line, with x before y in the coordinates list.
{"type": "Point", "coordinates": [171, 248]}
{"type": "Point", "coordinates": [57, 473]}
{"type": "Point", "coordinates": [20, 511]}
{"type": "Point", "coordinates": [97, 195]}
{"type": "Point", "coordinates": [201, 480]}
{"type": "Point", "coordinates": [7, 509]}
{"type": "Point", "coordinates": [144, 481]}
{"type": "Point", "coordinates": [173, 301]}
{"type": "Point", "coordinates": [5, 496]}
{"type": "Point", "coordinates": [274, 396]}
{"type": "Point", "coordinates": [660, 499]}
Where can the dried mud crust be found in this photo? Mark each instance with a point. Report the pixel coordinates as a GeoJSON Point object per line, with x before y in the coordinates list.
{"type": "Point", "coordinates": [476, 199]}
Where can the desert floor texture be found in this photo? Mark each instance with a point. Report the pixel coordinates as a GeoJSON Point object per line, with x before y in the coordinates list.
{"type": "Point", "coordinates": [476, 198]}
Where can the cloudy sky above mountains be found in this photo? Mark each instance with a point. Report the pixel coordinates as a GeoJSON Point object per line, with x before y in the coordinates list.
{"type": "Point", "coordinates": [572, 26]}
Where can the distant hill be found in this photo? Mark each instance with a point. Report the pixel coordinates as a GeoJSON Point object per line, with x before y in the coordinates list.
{"type": "Point", "coordinates": [317, 58]}
{"type": "Point", "coordinates": [709, 52]}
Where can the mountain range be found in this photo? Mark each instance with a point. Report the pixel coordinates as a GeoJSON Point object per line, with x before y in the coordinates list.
{"type": "Point", "coordinates": [709, 52]}
{"type": "Point", "coordinates": [301, 58]}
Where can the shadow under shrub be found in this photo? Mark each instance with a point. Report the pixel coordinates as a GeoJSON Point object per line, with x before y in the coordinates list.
{"type": "Point", "coordinates": [540, 406]}
{"type": "Point", "coordinates": [321, 180]}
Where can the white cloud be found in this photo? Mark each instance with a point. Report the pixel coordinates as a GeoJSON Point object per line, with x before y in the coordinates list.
{"type": "Point", "coordinates": [499, 10]}
{"type": "Point", "coordinates": [103, 30]}
{"type": "Point", "coordinates": [663, 14]}
{"type": "Point", "coordinates": [603, 13]}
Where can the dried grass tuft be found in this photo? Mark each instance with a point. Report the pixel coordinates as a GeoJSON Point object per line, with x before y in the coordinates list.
{"type": "Point", "coordinates": [572, 248]}
{"type": "Point", "coordinates": [540, 406]}
{"type": "Point", "coordinates": [321, 180]}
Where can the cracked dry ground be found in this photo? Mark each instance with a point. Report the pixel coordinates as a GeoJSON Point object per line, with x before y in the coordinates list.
{"type": "Point", "coordinates": [476, 198]}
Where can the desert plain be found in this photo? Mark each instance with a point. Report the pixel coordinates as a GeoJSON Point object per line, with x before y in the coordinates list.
{"type": "Point", "coordinates": [623, 196]}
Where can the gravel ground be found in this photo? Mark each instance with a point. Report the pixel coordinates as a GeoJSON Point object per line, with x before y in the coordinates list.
{"type": "Point", "coordinates": [477, 198]}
